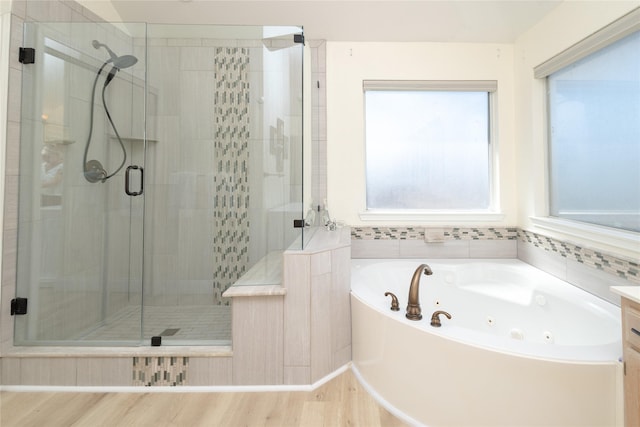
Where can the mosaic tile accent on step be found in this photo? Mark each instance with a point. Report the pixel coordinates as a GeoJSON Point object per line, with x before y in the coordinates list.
{"type": "Point", "coordinates": [623, 268]}
{"type": "Point", "coordinates": [417, 233]}
{"type": "Point", "coordinates": [160, 371]}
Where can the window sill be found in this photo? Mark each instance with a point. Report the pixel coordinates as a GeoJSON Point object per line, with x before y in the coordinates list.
{"type": "Point", "coordinates": [627, 240]}
{"type": "Point", "coordinates": [433, 216]}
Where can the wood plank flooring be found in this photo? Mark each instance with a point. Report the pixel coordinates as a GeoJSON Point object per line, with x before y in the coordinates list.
{"type": "Point", "coordinates": [340, 402]}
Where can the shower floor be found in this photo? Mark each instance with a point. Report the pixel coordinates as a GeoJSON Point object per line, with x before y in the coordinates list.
{"type": "Point", "coordinates": [179, 323]}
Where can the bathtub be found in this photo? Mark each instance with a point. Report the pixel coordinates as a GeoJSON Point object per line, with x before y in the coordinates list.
{"type": "Point", "coordinates": [522, 348]}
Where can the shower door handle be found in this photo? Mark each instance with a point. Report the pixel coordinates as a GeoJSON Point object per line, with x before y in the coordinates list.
{"type": "Point", "coordinates": [127, 180]}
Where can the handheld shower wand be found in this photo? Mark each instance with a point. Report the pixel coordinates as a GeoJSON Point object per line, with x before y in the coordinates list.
{"type": "Point", "coordinates": [93, 169]}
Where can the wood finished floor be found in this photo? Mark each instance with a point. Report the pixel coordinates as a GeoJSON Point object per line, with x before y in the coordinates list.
{"type": "Point", "coordinates": [340, 402]}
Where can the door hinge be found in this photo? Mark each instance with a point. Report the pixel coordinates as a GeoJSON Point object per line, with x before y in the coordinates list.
{"type": "Point", "coordinates": [27, 55]}
{"type": "Point", "coordinates": [298, 38]}
{"type": "Point", "coordinates": [18, 306]}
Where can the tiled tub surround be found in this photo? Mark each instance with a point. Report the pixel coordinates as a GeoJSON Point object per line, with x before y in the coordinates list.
{"type": "Point", "coordinates": [455, 242]}
{"type": "Point", "coordinates": [588, 269]}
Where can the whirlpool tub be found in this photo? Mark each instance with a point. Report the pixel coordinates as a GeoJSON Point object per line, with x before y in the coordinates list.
{"type": "Point", "coordinates": [522, 348]}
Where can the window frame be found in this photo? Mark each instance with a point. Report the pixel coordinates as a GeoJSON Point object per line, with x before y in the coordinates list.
{"type": "Point", "coordinates": [492, 213]}
{"type": "Point", "coordinates": [599, 234]}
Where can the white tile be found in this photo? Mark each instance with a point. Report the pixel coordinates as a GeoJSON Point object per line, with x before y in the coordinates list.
{"type": "Point", "coordinates": [104, 371]}
{"type": "Point", "coordinates": [447, 249]}
{"type": "Point", "coordinates": [321, 263]}
{"type": "Point", "coordinates": [204, 371]}
{"type": "Point", "coordinates": [547, 261]}
{"type": "Point", "coordinates": [197, 58]}
{"type": "Point", "coordinates": [48, 371]}
{"type": "Point", "coordinates": [258, 340]}
{"type": "Point", "coordinates": [321, 326]}
{"type": "Point", "coordinates": [295, 375]}
{"type": "Point", "coordinates": [340, 306]}
{"type": "Point", "coordinates": [493, 248]}
{"type": "Point", "coordinates": [297, 316]}
{"type": "Point", "coordinates": [14, 95]}
{"type": "Point", "coordinates": [594, 281]}
{"type": "Point", "coordinates": [196, 104]}
{"type": "Point", "coordinates": [375, 248]}
{"type": "Point", "coordinates": [10, 368]}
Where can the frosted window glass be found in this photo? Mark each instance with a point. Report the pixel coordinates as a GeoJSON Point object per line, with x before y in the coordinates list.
{"type": "Point", "coordinates": [594, 116]}
{"type": "Point", "coordinates": [427, 150]}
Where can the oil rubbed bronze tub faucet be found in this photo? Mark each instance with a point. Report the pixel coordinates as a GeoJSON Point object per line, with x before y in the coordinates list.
{"type": "Point", "coordinates": [435, 318]}
{"type": "Point", "coordinates": [413, 306]}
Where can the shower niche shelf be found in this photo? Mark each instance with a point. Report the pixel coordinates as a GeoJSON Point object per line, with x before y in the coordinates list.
{"type": "Point", "coordinates": [132, 140]}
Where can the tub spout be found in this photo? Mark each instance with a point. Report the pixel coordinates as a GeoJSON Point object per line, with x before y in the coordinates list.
{"type": "Point", "coordinates": [413, 306]}
{"type": "Point", "coordinates": [435, 318]}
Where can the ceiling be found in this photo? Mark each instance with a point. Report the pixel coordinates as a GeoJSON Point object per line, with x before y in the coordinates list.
{"type": "Point", "coordinates": [485, 21]}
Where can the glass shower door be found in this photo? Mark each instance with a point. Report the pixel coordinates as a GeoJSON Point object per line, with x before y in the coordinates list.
{"type": "Point", "coordinates": [224, 169]}
{"type": "Point", "coordinates": [81, 199]}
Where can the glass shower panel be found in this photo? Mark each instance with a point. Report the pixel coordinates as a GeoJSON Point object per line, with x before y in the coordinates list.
{"type": "Point", "coordinates": [224, 170]}
{"type": "Point", "coordinates": [79, 233]}
{"type": "Point", "coordinates": [159, 165]}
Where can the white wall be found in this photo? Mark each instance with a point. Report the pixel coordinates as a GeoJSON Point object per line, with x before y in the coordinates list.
{"type": "Point", "coordinates": [566, 25]}
{"type": "Point", "coordinates": [348, 64]}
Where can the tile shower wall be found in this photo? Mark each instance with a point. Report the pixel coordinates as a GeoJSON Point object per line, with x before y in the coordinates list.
{"type": "Point", "coordinates": [218, 162]}
{"type": "Point", "coordinates": [319, 121]}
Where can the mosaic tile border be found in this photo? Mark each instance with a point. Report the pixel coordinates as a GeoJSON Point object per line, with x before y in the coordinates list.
{"type": "Point", "coordinates": [417, 233]}
{"type": "Point", "coordinates": [160, 371]}
{"type": "Point", "coordinates": [623, 268]}
{"type": "Point", "coordinates": [620, 267]}
{"type": "Point", "coordinates": [232, 69]}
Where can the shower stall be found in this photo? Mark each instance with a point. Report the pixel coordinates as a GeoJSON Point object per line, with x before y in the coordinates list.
{"type": "Point", "coordinates": [159, 165]}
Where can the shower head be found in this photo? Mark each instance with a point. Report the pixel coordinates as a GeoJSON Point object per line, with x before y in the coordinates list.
{"type": "Point", "coordinates": [120, 62]}
{"type": "Point", "coordinates": [125, 61]}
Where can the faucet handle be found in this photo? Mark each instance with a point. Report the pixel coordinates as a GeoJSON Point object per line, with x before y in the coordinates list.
{"type": "Point", "coordinates": [394, 301]}
{"type": "Point", "coordinates": [435, 319]}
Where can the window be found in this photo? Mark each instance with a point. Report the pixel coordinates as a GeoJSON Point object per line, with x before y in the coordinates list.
{"type": "Point", "coordinates": [428, 145]}
{"type": "Point", "coordinates": [594, 137]}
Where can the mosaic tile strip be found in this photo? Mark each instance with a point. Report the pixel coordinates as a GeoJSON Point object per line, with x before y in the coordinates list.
{"type": "Point", "coordinates": [417, 233]}
{"type": "Point", "coordinates": [160, 371]}
{"type": "Point", "coordinates": [624, 268]}
{"type": "Point", "coordinates": [231, 154]}
{"type": "Point", "coordinates": [387, 233]}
